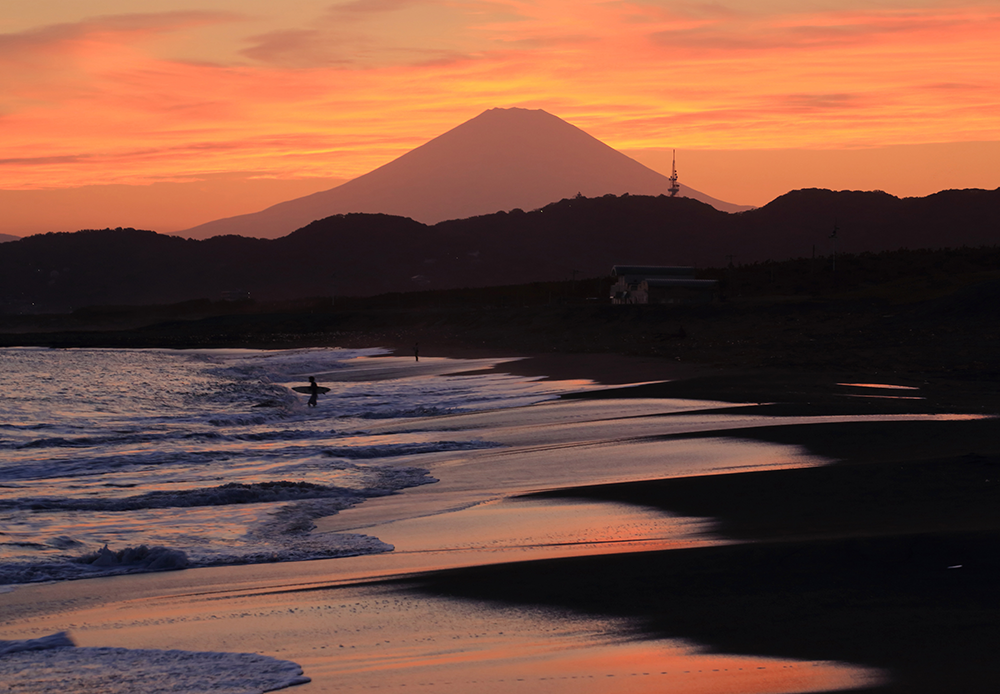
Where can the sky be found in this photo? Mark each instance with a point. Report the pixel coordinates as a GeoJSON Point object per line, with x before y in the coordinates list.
{"type": "Point", "coordinates": [168, 113]}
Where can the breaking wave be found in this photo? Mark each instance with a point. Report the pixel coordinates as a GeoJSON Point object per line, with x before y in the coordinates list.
{"type": "Point", "coordinates": [392, 450]}
{"type": "Point", "coordinates": [118, 461]}
{"type": "Point", "coordinates": [54, 665]}
{"type": "Point", "coordinates": [223, 495]}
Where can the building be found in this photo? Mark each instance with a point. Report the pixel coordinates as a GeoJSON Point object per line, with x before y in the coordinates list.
{"type": "Point", "coordinates": [650, 284]}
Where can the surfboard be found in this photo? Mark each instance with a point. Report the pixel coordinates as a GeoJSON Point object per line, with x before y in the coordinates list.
{"type": "Point", "coordinates": [308, 389]}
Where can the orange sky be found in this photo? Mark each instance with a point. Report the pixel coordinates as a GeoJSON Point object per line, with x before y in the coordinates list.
{"type": "Point", "coordinates": [174, 91]}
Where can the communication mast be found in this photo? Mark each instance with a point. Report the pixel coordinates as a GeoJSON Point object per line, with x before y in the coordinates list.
{"type": "Point", "coordinates": [674, 185]}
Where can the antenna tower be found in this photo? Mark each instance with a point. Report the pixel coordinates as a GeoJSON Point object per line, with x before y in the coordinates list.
{"type": "Point", "coordinates": [674, 186]}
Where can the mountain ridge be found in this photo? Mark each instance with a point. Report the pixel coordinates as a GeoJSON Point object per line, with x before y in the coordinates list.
{"type": "Point", "coordinates": [365, 255]}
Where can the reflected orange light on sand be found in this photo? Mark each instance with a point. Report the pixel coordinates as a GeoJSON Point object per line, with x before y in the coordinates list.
{"type": "Point", "coordinates": [504, 651]}
{"type": "Point", "coordinates": [628, 667]}
{"type": "Point", "coordinates": [374, 637]}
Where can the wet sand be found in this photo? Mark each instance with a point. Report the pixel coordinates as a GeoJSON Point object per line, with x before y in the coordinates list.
{"type": "Point", "coordinates": [627, 543]}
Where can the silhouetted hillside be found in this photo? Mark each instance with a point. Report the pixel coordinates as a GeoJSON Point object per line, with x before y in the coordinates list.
{"type": "Point", "coordinates": [871, 221]}
{"type": "Point", "coordinates": [4, 238]}
{"type": "Point", "coordinates": [365, 255]}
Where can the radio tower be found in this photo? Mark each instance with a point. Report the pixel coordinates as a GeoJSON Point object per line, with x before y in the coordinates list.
{"type": "Point", "coordinates": [674, 186]}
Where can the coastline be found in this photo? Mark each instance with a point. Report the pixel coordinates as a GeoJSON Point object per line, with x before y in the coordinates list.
{"type": "Point", "coordinates": [874, 591]}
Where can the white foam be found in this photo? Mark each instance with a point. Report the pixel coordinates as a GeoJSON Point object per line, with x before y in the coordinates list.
{"type": "Point", "coordinates": [141, 557]}
{"type": "Point", "coordinates": [52, 665]}
{"type": "Point", "coordinates": [210, 455]}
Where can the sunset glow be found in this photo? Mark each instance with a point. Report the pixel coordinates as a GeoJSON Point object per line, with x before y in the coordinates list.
{"type": "Point", "coordinates": [103, 93]}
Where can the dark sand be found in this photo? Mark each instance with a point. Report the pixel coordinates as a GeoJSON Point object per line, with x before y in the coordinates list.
{"type": "Point", "coordinates": [889, 557]}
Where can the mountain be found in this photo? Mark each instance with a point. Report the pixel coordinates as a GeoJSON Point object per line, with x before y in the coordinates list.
{"type": "Point", "coordinates": [500, 160]}
{"type": "Point", "coordinates": [364, 254]}
{"type": "Point", "coordinates": [4, 238]}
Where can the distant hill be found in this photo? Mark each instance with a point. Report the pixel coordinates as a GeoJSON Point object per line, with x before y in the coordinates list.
{"type": "Point", "coordinates": [500, 160]}
{"type": "Point", "coordinates": [4, 238]}
{"type": "Point", "coordinates": [364, 255]}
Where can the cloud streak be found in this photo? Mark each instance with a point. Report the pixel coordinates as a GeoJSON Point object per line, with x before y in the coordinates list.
{"type": "Point", "coordinates": [338, 89]}
{"type": "Point", "coordinates": [62, 38]}
{"type": "Point", "coordinates": [832, 30]}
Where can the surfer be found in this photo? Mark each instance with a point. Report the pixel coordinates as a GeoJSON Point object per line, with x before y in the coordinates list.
{"type": "Point", "coordinates": [313, 391]}
{"type": "Point", "coordinates": [416, 351]}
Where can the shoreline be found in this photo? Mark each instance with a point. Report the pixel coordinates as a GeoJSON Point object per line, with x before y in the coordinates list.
{"type": "Point", "coordinates": [871, 589]}
{"type": "Point", "coordinates": [886, 558]}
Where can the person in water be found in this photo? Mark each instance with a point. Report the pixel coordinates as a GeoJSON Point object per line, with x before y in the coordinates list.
{"type": "Point", "coordinates": [313, 391]}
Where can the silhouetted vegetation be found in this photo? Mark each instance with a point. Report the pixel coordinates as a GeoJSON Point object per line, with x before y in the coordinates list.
{"type": "Point", "coordinates": [358, 255]}
{"type": "Point", "coordinates": [899, 276]}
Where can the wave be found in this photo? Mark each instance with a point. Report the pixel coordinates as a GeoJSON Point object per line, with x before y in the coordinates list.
{"type": "Point", "coordinates": [291, 365]}
{"type": "Point", "coordinates": [239, 420]}
{"type": "Point", "coordinates": [142, 558]}
{"type": "Point", "coordinates": [223, 495]}
{"type": "Point", "coordinates": [28, 427]}
{"type": "Point", "coordinates": [103, 562]}
{"type": "Point", "coordinates": [393, 450]}
{"type": "Point", "coordinates": [282, 435]}
{"type": "Point", "coordinates": [285, 538]}
{"type": "Point", "coordinates": [125, 438]}
{"type": "Point", "coordinates": [209, 453]}
{"type": "Point", "coordinates": [53, 665]}
{"type": "Point", "coordinates": [291, 542]}
{"type": "Point", "coordinates": [408, 413]}
{"type": "Point", "coordinates": [133, 438]}
{"type": "Point", "coordinates": [65, 468]}
{"type": "Point", "coordinates": [120, 438]}
{"type": "Point", "coordinates": [57, 640]}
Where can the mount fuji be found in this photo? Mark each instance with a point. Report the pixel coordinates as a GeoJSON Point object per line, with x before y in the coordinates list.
{"type": "Point", "coordinates": [500, 160]}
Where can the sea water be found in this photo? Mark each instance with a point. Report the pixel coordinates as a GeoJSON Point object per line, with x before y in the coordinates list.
{"type": "Point", "coordinates": [116, 461]}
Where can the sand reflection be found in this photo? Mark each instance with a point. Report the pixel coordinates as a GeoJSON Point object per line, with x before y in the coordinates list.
{"type": "Point", "coordinates": [504, 650]}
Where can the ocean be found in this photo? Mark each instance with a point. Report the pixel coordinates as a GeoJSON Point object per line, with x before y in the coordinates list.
{"type": "Point", "coordinates": [123, 461]}
{"type": "Point", "coordinates": [136, 461]}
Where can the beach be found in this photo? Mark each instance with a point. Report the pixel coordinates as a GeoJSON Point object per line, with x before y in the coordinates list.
{"type": "Point", "coordinates": [627, 538]}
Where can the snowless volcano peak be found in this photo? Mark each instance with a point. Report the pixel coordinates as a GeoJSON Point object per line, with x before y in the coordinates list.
{"type": "Point", "coordinates": [502, 159]}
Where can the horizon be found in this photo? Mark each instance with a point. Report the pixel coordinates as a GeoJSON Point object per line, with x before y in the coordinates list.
{"type": "Point", "coordinates": [181, 114]}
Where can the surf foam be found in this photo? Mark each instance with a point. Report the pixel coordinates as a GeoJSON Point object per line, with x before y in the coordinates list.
{"type": "Point", "coordinates": [54, 665]}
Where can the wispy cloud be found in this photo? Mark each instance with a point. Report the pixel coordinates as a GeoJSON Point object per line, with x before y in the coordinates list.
{"type": "Point", "coordinates": [828, 30]}
{"type": "Point", "coordinates": [368, 7]}
{"type": "Point", "coordinates": [58, 38]}
{"type": "Point", "coordinates": [299, 48]}
{"type": "Point", "coordinates": [45, 161]}
{"type": "Point", "coordinates": [339, 88]}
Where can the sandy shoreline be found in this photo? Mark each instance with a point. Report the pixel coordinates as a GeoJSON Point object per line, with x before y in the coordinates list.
{"type": "Point", "coordinates": [846, 563]}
